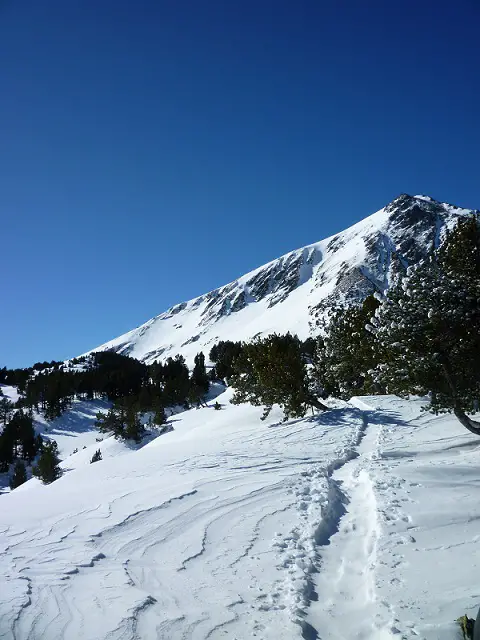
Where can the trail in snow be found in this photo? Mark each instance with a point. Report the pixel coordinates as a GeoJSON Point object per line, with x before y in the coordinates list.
{"type": "Point", "coordinates": [180, 539]}
{"type": "Point", "coordinates": [346, 605]}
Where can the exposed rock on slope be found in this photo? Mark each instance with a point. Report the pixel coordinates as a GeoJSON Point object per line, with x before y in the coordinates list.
{"type": "Point", "coordinates": [294, 291]}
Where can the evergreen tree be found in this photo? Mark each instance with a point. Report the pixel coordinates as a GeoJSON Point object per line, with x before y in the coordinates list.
{"type": "Point", "coordinates": [122, 420]}
{"type": "Point", "coordinates": [21, 435]}
{"type": "Point", "coordinates": [19, 475]}
{"type": "Point", "coordinates": [346, 356]}
{"type": "Point", "coordinates": [459, 254]}
{"type": "Point", "coordinates": [112, 422]}
{"type": "Point", "coordinates": [47, 468]}
{"type": "Point", "coordinates": [6, 451]}
{"type": "Point", "coordinates": [272, 370]}
{"type": "Point", "coordinates": [176, 381]}
{"type": "Point", "coordinates": [6, 408]}
{"type": "Point", "coordinates": [428, 328]}
{"type": "Point", "coordinates": [224, 354]}
{"type": "Point", "coordinates": [134, 429]}
{"type": "Point", "coordinates": [199, 381]}
{"type": "Point", "coordinates": [160, 417]}
{"type": "Point", "coordinates": [199, 377]}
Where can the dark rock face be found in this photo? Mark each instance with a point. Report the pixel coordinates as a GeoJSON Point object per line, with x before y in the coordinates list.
{"type": "Point", "coordinates": [174, 310]}
{"type": "Point", "coordinates": [123, 349]}
{"type": "Point", "coordinates": [411, 230]}
{"type": "Point", "coordinates": [156, 353]}
{"type": "Point", "coordinates": [275, 282]}
{"type": "Point", "coordinates": [413, 226]}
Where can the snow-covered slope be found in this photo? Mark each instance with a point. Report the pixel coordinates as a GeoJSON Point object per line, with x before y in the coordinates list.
{"type": "Point", "coordinates": [292, 292]}
{"type": "Point", "coordinates": [360, 523]}
{"type": "Point", "coordinates": [74, 430]}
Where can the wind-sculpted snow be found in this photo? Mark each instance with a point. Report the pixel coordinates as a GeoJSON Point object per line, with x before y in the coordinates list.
{"type": "Point", "coordinates": [175, 540]}
{"type": "Point", "coordinates": [294, 292]}
{"type": "Point", "coordinates": [361, 522]}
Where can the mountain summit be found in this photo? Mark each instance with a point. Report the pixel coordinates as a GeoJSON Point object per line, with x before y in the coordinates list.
{"type": "Point", "coordinates": [292, 292]}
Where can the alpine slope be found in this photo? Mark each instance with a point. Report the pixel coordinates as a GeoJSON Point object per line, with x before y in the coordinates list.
{"type": "Point", "coordinates": [362, 522]}
{"type": "Point", "coordinates": [293, 292]}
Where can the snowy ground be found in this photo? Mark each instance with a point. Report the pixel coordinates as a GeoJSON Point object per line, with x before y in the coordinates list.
{"type": "Point", "coordinates": [73, 430]}
{"type": "Point", "coordinates": [361, 523]}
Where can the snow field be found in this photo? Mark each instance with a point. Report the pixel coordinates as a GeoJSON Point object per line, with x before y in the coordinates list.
{"type": "Point", "coordinates": [360, 523]}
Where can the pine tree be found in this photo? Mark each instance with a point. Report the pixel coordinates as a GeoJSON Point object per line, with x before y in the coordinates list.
{"type": "Point", "coordinates": [212, 375]}
{"type": "Point", "coordinates": [6, 408]}
{"type": "Point", "coordinates": [272, 370]}
{"type": "Point", "coordinates": [14, 430]}
{"type": "Point", "coordinates": [19, 475]}
{"type": "Point", "coordinates": [176, 381]}
{"type": "Point", "coordinates": [159, 417]}
{"type": "Point", "coordinates": [459, 253]}
{"type": "Point", "coordinates": [6, 451]}
{"type": "Point", "coordinates": [224, 354]}
{"type": "Point", "coordinates": [134, 429]}
{"type": "Point", "coordinates": [111, 422]}
{"type": "Point", "coordinates": [199, 382]}
{"type": "Point", "coordinates": [47, 468]}
{"type": "Point", "coordinates": [347, 354]}
{"type": "Point", "coordinates": [428, 328]}
{"type": "Point", "coordinates": [21, 434]}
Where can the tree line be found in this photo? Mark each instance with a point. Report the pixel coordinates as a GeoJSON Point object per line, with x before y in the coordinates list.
{"type": "Point", "coordinates": [421, 337]}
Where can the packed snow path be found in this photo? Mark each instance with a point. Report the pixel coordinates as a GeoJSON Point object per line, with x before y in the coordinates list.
{"type": "Point", "coordinates": [360, 523]}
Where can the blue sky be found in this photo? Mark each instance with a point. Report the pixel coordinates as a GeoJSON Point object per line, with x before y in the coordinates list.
{"type": "Point", "coordinates": [153, 150]}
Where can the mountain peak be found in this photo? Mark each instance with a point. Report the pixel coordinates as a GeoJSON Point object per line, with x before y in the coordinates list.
{"type": "Point", "coordinates": [293, 292]}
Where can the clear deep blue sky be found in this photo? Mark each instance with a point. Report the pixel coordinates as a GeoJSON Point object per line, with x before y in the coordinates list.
{"type": "Point", "coordinates": [153, 150]}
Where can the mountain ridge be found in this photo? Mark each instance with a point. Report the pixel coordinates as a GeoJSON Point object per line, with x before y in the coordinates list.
{"type": "Point", "coordinates": [293, 292]}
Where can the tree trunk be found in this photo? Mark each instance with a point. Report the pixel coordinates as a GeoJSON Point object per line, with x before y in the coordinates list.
{"type": "Point", "coordinates": [472, 425]}
{"type": "Point", "coordinates": [318, 405]}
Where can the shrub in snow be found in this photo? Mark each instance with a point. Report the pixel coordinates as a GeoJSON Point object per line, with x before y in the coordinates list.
{"type": "Point", "coordinates": [273, 370]}
{"type": "Point", "coordinates": [97, 456]}
{"type": "Point", "coordinates": [122, 420]}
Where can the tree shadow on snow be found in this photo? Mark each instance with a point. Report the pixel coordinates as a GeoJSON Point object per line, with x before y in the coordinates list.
{"type": "Point", "coordinates": [79, 419]}
{"type": "Point", "coordinates": [344, 415]}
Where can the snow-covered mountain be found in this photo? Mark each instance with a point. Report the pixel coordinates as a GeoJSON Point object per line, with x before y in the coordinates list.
{"type": "Point", "coordinates": [358, 523]}
{"type": "Point", "coordinates": [293, 292]}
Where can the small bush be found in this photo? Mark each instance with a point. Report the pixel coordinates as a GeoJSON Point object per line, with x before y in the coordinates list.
{"type": "Point", "coordinates": [97, 456]}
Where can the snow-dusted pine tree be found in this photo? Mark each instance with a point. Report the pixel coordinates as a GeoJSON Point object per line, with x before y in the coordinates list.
{"type": "Point", "coordinates": [428, 327]}
{"type": "Point", "coordinates": [273, 370]}
{"type": "Point", "coordinates": [346, 354]}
